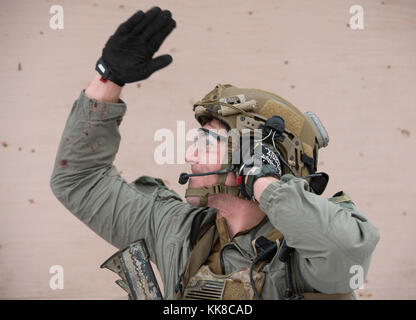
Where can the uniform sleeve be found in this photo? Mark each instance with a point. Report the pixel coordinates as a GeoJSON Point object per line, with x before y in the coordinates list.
{"type": "Point", "coordinates": [331, 240]}
{"type": "Point", "coordinates": [86, 182]}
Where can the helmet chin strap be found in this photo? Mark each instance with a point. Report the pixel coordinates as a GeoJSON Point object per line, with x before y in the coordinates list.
{"type": "Point", "coordinates": [204, 192]}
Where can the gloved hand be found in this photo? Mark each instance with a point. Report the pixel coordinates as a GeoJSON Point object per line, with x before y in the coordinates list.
{"type": "Point", "coordinates": [128, 54]}
{"type": "Point", "coordinates": [265, 161]}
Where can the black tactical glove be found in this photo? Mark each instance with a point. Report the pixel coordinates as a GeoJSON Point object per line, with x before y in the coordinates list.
{"type": "Point", "coordinates": [128, 54]}
{"type": "Point", "coordinates": [265, 159]}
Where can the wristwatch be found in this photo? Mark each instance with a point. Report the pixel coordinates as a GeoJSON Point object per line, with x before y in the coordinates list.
{"type": "Point", "coordinates": [266, 170]}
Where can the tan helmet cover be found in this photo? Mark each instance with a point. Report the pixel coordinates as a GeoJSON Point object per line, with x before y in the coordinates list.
{"type": "Point", "coordinates": [240, 108]}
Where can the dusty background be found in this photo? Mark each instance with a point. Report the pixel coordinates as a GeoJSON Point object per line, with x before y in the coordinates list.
{"type": "Point", "coordinates": [361, 83]}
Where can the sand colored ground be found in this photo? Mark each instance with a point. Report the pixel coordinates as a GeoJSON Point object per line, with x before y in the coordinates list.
{"type": "Point", "coordinates": [361, 83]}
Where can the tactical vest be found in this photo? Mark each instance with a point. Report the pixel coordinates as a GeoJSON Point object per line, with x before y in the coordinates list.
{"type": "Point", "coordinates": [198, 282]}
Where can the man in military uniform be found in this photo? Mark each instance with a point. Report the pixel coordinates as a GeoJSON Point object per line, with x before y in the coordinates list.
{"type": "Point", "coordinates": [252, 228]}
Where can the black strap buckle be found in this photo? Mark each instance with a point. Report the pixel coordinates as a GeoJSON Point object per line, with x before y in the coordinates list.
{"type": "Point", "coordinates": [265, 249]}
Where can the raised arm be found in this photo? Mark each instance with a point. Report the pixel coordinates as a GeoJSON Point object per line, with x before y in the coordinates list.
{"type": "Point", "coordinates": [84, 178]}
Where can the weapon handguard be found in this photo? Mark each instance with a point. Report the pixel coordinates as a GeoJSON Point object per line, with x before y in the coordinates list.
{"type": "Point", "coordinates": [132, 264]}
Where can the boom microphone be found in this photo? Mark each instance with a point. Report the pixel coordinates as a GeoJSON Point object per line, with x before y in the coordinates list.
{"type": "Point", "coordinates": [184, 177]}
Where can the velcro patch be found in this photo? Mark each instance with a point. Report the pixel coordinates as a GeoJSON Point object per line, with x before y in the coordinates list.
{"type": "Point", "coordinates": [293, 121]}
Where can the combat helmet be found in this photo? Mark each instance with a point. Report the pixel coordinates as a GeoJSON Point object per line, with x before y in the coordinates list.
{"type": "Point", "coordinates": [297, 136]}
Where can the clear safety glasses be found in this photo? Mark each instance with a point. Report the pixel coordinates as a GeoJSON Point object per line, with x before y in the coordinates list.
{"type": "Point", "coordinates": [209, 140]}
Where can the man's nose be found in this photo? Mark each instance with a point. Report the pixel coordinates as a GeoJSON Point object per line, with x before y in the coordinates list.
{"type": "Point", "coordinates": [191, 154]}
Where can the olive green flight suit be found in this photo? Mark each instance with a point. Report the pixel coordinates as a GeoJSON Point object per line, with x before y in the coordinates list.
{"type": "Point", "coordinates": [329, 238]}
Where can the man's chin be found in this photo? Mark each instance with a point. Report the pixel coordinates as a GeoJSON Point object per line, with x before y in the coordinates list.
{"type": "Point", "coordinates": [193, 201]}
